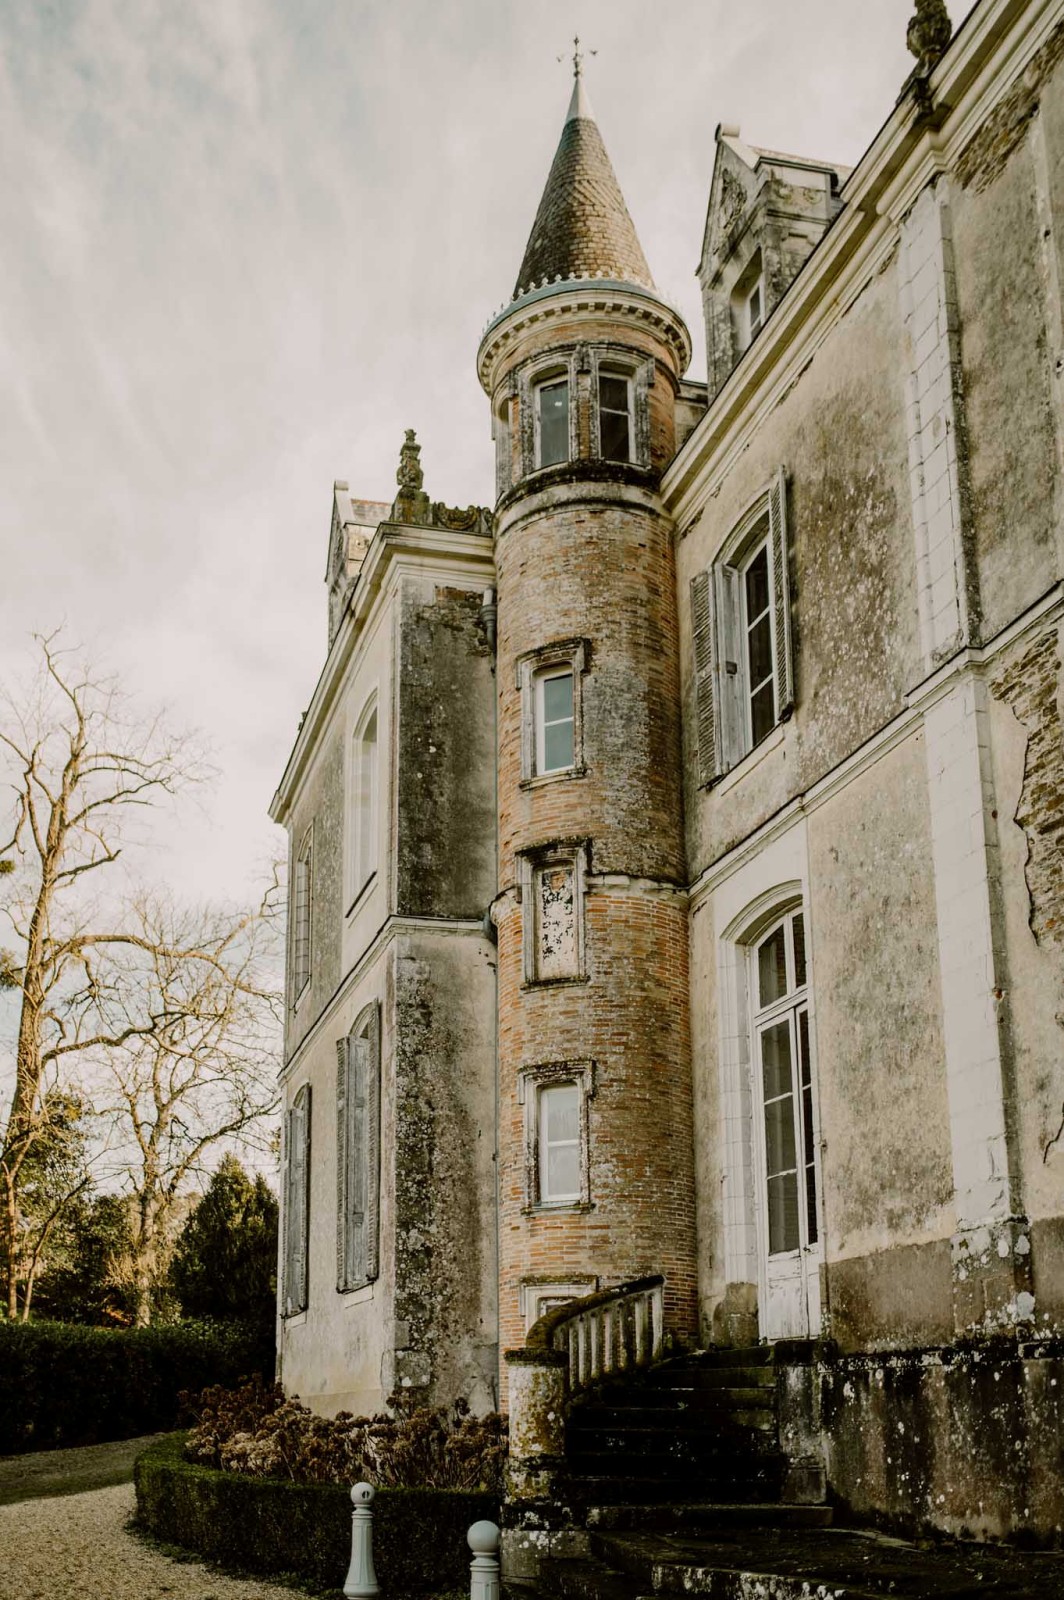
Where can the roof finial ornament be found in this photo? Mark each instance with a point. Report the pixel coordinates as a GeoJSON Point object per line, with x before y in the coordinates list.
{"type": "Point", "coordinates": [929, 34]}
{"type": "Point", "coordinates": [578, 56]}
{"type": "Point", "coordinates": [411, 504]}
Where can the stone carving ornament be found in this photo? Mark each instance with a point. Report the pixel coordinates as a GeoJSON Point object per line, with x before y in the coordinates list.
{"type": "Point", "coordinates": [929, 34]}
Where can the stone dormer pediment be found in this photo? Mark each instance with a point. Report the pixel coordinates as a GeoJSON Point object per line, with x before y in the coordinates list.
{"type": "Point", "coordinates": [353, 525]}
{"type": "Point", "coordinates": [732, 193]}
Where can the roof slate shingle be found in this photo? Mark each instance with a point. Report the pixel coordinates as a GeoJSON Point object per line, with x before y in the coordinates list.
{"type": "Point", "coordinates": [582, 227]}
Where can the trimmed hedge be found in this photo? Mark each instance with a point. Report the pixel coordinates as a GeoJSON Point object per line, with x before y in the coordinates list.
{"type": "Point", "coordinates": [271, 1525]}
{"type": "Point", "coordinates": [65, 1384]}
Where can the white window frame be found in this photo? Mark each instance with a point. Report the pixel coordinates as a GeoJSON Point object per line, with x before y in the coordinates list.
{"type": "Point", "coordinates": [757, 290]}
{"type": "Point", "coordinates": [606, 371]}
{"type": "Point", "coordinates": [542, 382]}
{"type": "Point", "coordinates": [363, 832]}
{"type": "Point", "coordinates": [560, 655]}
{"type": "Point", "coordinates": [719, 627]}
{"type": "Point", "coordinates": [537, 1297]}
{"type": "Point", "coordinates": [532, 1083]}
{"type": "Point", "coordinates": [543, 676]}
{"type": "Point", "coordinates": [303, 917]}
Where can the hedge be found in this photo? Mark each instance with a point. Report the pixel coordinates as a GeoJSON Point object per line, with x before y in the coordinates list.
{"type": "Point", "coordinates": [65, 1384]}
{"type": "Point", "coordinates": [271, 1525]}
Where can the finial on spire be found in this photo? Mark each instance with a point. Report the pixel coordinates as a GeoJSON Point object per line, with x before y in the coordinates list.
{"type": "Point", "coordinates": [929, 34]}
{"type": "Point", "coordinates": [578, 56]}
{"type": "Point", "coordinates": [411, 504]}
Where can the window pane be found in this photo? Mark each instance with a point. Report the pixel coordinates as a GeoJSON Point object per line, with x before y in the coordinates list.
{"type": "Point", "coordinates": [772, 968]}
{"type": "Point", "coordinates": [759, 651]}
{"type": "Point", "coordinates": [782, 1195]}
{"type": "Point", "coordinates": [762, 712]}
{"type": "Point", "coordinates": [808, 1152]}
{"type": "Point", "coordinates": [563, 1172]}
{"type": "Point", "coordinates": [562, 1112]}
{"type": "Point", "coordinates": [757, 587]}
{"type": "Point", "coordinates": [558, 698]}
{"type": "Point", "coordinates": [613, 394]}
{"type": "Point", "coordinates": [557, 746]}
{"type": "Point", "coordinates": [553, 423]}
{"type": "Point", "coordinates": [776, 1060]}
{"type": "Point", "coordinates": [779, 1137]}
{"type": "Point", "coordinates": [613, 433]}
{"type": "Point", "coordinates": [799, 951]}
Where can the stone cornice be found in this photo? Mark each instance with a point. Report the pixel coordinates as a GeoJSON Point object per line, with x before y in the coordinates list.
{"type": "Point", "coordinates": [580, 300]}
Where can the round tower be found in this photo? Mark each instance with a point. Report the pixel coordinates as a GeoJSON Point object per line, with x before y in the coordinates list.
{"type": "Point", "coordinates": [595, 1129]}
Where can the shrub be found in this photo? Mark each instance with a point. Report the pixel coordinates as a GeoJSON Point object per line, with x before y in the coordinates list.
{"type": "Point", "coordinates": [272, 1526]}
{"type": "Point", "coordinates": [66, 1384]}
{"type": "Point", "coordinates": [256, 1431]}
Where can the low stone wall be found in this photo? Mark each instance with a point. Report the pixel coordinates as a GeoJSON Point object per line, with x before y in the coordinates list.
{"type": "Point", "coordinates": [967, 1440]}
{"type": "Point", "coordinates": [265, 1525]}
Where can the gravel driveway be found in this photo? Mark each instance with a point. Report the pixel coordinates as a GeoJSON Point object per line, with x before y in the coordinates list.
{"type": "Point", "coordinates": [74, 1544]}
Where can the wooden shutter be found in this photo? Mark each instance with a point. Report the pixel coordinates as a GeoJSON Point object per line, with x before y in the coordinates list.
{"type": "Point", "coordinates": [341, 1162]}
{"type": "Point", "coordinates": [297, 1208]}
{"type": "Point", "coordinates": [705, 678]}
{"type": "Point", "coordinates": [781, 592]}
{"type": "Point", "coordinates": [358, 1227]}
{"type": "Point", "coordinates": [373, 1147]}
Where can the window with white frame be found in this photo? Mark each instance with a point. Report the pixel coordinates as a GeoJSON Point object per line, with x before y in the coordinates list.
{"type": "Point", "coordinates": [364, 801]}
{"type": "Point", "coordinates": [555, 719]}
{"type": "Point", "coordinates": [551, 683]}
{"type": "Point", "coordinates": [552, 421]}
{"type": "Point", "coordinates": [358, 1152]}
{"type": "Point", "coordinates": [784, 1071]}
{"type": "Point", "coordinates": [754, 311]}
{"type": "Point", "coordinates": [296, 1203]}
{"type": "Point", "coordinates": [741, 628]}
{"type": "Point", "coordinates": [555, 1098]}
{"type": "Point", "coordinates": [615, 417]}
{"type": "Point", "coordinates": [302, 896]}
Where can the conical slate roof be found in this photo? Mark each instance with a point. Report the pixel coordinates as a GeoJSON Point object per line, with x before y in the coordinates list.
{"type": "Point", "coordinates": [582, 227]}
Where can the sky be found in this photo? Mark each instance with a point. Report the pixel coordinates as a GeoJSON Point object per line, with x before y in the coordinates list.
{"type": "Point", "coordinates": [246, 243]}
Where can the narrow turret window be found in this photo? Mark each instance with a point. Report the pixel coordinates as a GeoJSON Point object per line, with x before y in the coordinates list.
{"type": "Point", "coordinates": [552, 422]}
{"type": "Point", "coordinates": [554, 720]}
{"type": "Point", "coordinates": [559, 1144]}
{"type": "Point", "coordinates": [301, 919]}
{"type": "Point", "coordinates": [615, 417]}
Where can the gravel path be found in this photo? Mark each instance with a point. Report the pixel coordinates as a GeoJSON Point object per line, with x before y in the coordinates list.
{"type": "Point", "coordinates": [57, 1549]}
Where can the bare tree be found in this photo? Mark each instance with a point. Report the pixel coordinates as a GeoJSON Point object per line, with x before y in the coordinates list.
{"type": "Point", "coordinates": [204, 1076]}
{"type": "Point", "coordinates": [77, 764]}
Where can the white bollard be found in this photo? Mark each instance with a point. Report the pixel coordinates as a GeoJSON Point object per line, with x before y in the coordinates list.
{"type": "Point", "coordinates": [483, 1540]}
{"type": "Point", "coordinates": [361, 1580]}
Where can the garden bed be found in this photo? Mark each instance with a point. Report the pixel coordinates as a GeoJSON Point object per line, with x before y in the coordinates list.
{"type": "Point", "coordinates": [273, 1525]}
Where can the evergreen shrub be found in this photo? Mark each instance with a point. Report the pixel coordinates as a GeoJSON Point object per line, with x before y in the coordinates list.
{"type": "Point", "coordinates": [67, 1384]}
{"type": "Point", "coordinates": [269, 1525]}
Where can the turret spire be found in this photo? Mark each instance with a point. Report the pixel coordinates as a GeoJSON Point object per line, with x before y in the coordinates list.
{"type": "Point", "coordinates": [582, 228]}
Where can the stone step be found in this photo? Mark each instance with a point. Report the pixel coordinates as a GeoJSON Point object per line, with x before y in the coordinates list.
{"type": "Point", "coordinates": [670, 1403]}
{"type": "Point", "coordinates": [571, 1578]}
{"type": "Point", "coordinates": [715, 1450]}
{"type": "Point", "coordinates": [706, 1518]}
{"type": "Point", "coordinates": [730, 1425]}
{"type": "Point", "coordinates": [723, 1355]}
{"type": "Point", "coordinates": [749, 1485]}
{"type": "Point", "coordinates": [720, 1377]}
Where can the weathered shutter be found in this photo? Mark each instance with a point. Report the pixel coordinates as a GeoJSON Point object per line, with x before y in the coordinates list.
{"type": "Point", "coordinates": [781, 592]}
{"type": "Point", "coordinates": [731, 675]}
{"type": "Point", "coordinates": [341, 1163]}
{"type": "Point", "coordinates": [705, 675]}
{"type": "Point", "coordinates": [287, 1264]}
{"type": "Point", "coordinates": [355, 1211]}
{"type": "Point", "coordinates": [373, 1147]}
{"type": "Point", "coordinates": [299, 1201]}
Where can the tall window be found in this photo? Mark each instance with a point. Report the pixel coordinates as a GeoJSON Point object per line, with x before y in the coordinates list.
{"type": "Point", "coordinates": [741, 626]}
{"type": "Point", "coordinates": [552, 422]}
{"type": "Point", "coordinates": [615, 417]}
{"type": "Point", "coordinates": [759, 661]}
{"type": "Point", "coordinates": [784, 1065]}
{"type": "Point", "coordinates": [554, 719]}
{"type": "Point", "coordinates": [364, 771]}
{"type": "Point", "coordinates": [358, 1152]}
{"type": "Point", "coordinates": [559, 1143]}
{"type": "Point", "coordinates": [755, 311]}
{"type": "Point", "coordinates": [296, 1203]}
{"type": "Point", "coordinates": [301, 916]}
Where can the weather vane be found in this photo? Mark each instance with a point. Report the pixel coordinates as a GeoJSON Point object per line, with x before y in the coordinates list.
{"type": "Point", "coordinates": [578, 55]}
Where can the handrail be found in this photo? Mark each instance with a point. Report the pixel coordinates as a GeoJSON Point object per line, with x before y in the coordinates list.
{"type": "Point", "coordinates": [612, 1331]}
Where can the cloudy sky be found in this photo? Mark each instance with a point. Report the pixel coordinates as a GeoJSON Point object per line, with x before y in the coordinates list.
{"type": "Point", "coordinates": [247, 242]}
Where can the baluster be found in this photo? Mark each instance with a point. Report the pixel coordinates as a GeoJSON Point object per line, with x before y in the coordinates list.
{"type": "Point", "coordinates": [581, 1349]}
{"type": "Point", "coordinates": [657, 1313]}
{"type": "Point", "coordinates": [574, 1357]}
{"type": "Point", "coordinates": [641, 1330]}
{"type": "Point", "coordinates": [609, 1363]}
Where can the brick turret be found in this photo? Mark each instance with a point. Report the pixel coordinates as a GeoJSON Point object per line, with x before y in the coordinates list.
{"type": "Point", "coordinates": [583, 370]}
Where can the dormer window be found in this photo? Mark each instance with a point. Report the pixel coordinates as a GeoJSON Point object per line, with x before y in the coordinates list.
{"type": "Point", "coordinates": [552, 422]}
{"type": "Point", "coordinates": [615, 417]}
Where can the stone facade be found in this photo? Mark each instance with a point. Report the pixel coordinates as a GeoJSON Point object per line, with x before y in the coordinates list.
{"type": "Point", "coordinates": [782, 928]}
